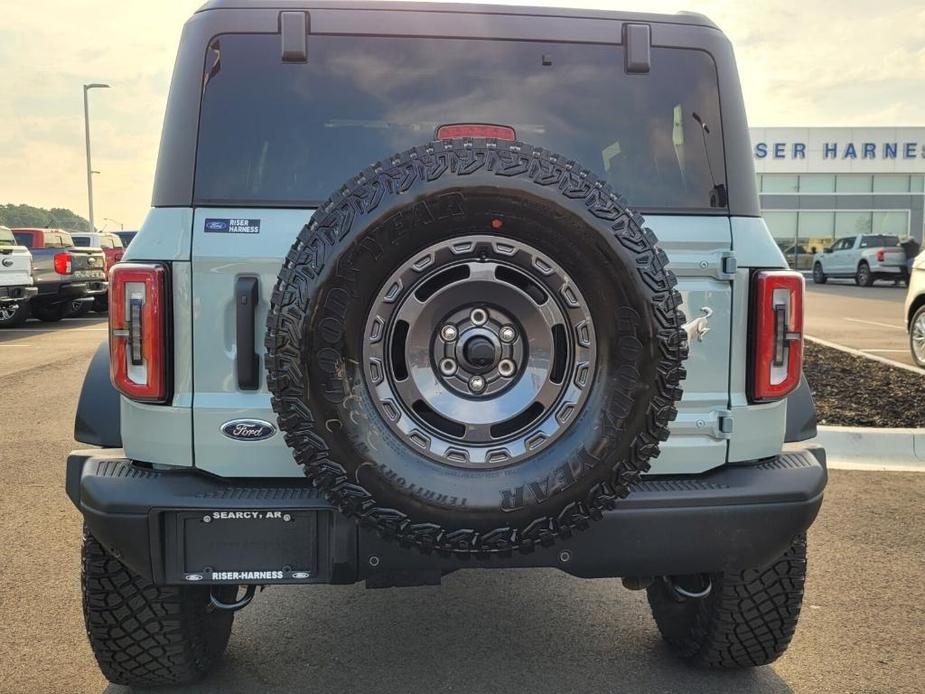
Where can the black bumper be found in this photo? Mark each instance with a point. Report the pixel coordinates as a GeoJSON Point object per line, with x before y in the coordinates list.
{"type": "Point", "coordinates": [21, 293]}
{"type": "Point", "coordinates": [738, 516]}
{"type": "Point", "coordinates": [64, 291]}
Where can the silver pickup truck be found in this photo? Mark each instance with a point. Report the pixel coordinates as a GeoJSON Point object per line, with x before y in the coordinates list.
{"type": "Point", "coordinates": [864, 258]}
{"type": "Point", "coordinates": [16, 287]}
{"type": "Point", "coordinates": [64, 274]}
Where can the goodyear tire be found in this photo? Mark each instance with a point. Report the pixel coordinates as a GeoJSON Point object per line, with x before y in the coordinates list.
{"type": "Point", "coordinates": [747, 619]}
{"type": "Point", "coordinates": [144, 635]}
{"type": "Point", "coordinates": [475, 347]}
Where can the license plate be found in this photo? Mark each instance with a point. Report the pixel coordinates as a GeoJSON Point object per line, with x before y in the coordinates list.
{"type": "Point", "coordinates": [247, 546]}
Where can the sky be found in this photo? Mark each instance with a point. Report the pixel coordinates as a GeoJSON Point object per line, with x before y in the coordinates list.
{"type": "Point", "coordinates": [807, 63]}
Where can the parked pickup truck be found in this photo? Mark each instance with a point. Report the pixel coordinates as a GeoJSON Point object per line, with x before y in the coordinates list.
{"type": "Point", "coordinates": [112, 247]}
{"type": "Point", "coordinates": [16, 287]}
{"type": "Point", "coordinates": [65, 275]}
{"type": "Point", "coordinates": [864, 258]}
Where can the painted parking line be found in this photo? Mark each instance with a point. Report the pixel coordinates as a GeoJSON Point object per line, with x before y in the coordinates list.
{"type": "Point", "coordinates": [873, 322]}
{"type": "Point", "coordinates": [13, 344]}
{"type": "Point", "coordinates": [896, 351]}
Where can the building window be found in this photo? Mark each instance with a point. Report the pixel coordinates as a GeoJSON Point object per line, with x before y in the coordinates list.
{"type": "Point", "coordinates": [851, 223]}
{"type": "Point", "coordinates": [917, 184]}
{"type": "Point", "coordinates": [894, 222]}
{"type": "Point", "coordinates": [817, 183]}
{"type": "Point", "coordinates": [779, 183]}
{"type": "Point", "coordinates": [853, 183]}
{"type": "Point", "coordinates": [816, 225]}
{"type": "Point", "coordinates": [891, 183]}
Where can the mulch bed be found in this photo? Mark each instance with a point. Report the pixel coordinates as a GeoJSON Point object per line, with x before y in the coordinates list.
{"type": "Point", "coordinates": [859, 392]}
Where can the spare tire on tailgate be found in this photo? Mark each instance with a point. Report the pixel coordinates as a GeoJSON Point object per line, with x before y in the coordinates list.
{"type": "Point", "coordinates": [475, 347]}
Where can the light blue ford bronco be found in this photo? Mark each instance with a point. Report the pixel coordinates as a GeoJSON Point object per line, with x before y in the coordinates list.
{"type": "Point", "coordinates": [551, 331]}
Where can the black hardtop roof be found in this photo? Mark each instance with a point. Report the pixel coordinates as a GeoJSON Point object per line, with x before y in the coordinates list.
{"type": "Point", "coordinates": [689, 18]}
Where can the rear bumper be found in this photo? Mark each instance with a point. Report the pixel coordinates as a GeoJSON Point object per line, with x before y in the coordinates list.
{"type": "Point", "coordinates": [20, 293]}
{"type": "Point", "coordinates": [738, 516]}
{"type": "Point", "coordinates": [884, 269]}
{"type": "Point", "coordinates": [72, 290]}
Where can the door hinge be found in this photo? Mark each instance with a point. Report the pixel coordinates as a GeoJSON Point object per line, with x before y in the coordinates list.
{"type": "Point", "coordinates": [717, 424]}
{"type": "Point", "coordinates": [727, 266]}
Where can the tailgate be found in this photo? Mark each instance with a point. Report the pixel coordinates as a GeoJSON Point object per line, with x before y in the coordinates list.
{"type": "Point", "coordinates": [15, 266]}
{"type": "Point", "coordinates": [221, 257]}
{"type": "Point", "coordinates": [893, 256]}
{"type": "Point", "coordinates": [87, 263]}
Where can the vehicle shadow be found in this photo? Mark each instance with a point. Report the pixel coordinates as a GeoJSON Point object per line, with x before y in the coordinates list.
{"type": "Point", "coordinates": [535, 631]}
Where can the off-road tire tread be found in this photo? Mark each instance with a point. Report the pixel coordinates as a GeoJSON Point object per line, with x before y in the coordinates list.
{"type": "Point", "coordinates": [748, 619]}
{"type": "Point", "coordinates": [330, 229]}
{"type": "Point", "coordinates": [143, 634]}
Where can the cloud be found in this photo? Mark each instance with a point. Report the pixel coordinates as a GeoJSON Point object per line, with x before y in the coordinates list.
{"type": "Point", "coordinates": [810, 63]}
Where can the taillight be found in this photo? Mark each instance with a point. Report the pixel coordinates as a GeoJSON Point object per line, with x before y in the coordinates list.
{"type": "Point", "coordinates": [499, 132]}
{"type": "Point", "coordinates": [881, 254]}
{"type": "Point", "coordinates": [778, 334]}
{"type": "Point", "coordinates": [63, 263]}
{"type": "Point", "coordinates": [138, 330]}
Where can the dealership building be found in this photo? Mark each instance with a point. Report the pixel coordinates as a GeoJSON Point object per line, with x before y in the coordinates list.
{"type": "Point", "coordinates": [819, 184]}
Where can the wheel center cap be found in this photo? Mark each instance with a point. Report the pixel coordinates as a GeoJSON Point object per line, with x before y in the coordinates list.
{"type": "Point", "coordinates": [480, 353]}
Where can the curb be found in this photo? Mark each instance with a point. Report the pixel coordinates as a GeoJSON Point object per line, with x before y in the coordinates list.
{"type": "Point", "coordinates": [858, 353]}
{"type": "Point", "coordinates": [864, 448]}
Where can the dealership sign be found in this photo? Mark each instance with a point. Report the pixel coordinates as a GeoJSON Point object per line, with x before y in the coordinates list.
{"type": "Point", "coordinates": [841, 150]}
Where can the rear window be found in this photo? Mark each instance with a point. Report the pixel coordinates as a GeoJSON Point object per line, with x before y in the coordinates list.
{"type": "Point", "coordinates": [23, 239]}
{"type": "Point", "coordinates": [81, 241]}
{"type": "Point", "coordinates": [58, 239]}
{"type": "Point", "coordinates": [279, 134]}
{"type": "Point", "coordinates": [879, 241]}
{"type": "Point", "coordinates": [6, 237]}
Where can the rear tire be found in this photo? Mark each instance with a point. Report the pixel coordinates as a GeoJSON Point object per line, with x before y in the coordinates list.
{"type": "Point", "coordinates": [51, 313]}
{"type": "Point", "coordinates": [145, 635]}
{"type": "Point", "coordinates": [77, 309]}
{"type": "Point", "coordinates": [818, 275]}
{"type": "Point", "coordinates": [13, 315]}
{"type": "Point", "coordinates": [748, 619]}
{"type": "Point", "coordinates": [864, 278]}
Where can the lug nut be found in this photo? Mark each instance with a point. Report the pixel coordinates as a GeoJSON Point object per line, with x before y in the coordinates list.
{"type": "Point", "coordinates": [449, 333]}
{"type": "Point", "coordinates": [478, 316]}
{"type": "Point", "coordinates": [506, 368]}
{"type": "Point", "coordinates": [507, 334]}
{"type": "Point", "coordinates": [476, 384]}
{"type": "Point", "coordinates": [447, 367]}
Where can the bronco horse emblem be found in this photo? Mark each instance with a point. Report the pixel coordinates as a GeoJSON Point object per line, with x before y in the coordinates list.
{"type": "Point", "coordinates": [698, 327]}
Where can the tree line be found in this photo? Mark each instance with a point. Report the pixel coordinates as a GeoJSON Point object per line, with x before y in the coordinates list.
{"type": "Point", "coordinates": [28, 216]}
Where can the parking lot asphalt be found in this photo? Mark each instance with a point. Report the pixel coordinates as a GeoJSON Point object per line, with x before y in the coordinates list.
{"type": "Point", "coordinates": [862, 627]}
{"type": "Point", "coordinates": [869, 319]}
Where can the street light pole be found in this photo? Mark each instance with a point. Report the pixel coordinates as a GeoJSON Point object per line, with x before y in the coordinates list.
{"type": "Point", "coordinates": [115, 221]}
{"type": "Point", "coordinates": [87, 88]}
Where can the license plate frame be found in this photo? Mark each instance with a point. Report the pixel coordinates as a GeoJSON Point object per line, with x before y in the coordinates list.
{"type": "Point", "coordinates": [245, 546]}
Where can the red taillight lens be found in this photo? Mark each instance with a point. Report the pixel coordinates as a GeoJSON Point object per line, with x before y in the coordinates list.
{"type": "Point", "coordinates": [778, 334]}
{"type": "Point", "coordinates": [63, 263]}
{"type": "Point", "coordinates": [881, 254]}
{"type": "Point", "coordinates": [137, 330]}
{"type": "Point", "coordinates": [499, 132]}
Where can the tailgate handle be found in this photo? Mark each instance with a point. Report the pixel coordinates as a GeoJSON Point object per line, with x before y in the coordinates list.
{"type": "Point", "coordinates": [247, 361]}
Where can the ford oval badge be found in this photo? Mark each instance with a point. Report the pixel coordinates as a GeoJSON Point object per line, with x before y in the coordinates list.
{"type": "Point", "coordinates": [248, 429]}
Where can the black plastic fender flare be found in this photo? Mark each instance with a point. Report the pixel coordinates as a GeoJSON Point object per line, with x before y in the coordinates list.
{"type": "Point", "coordinates": [98, 420]}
